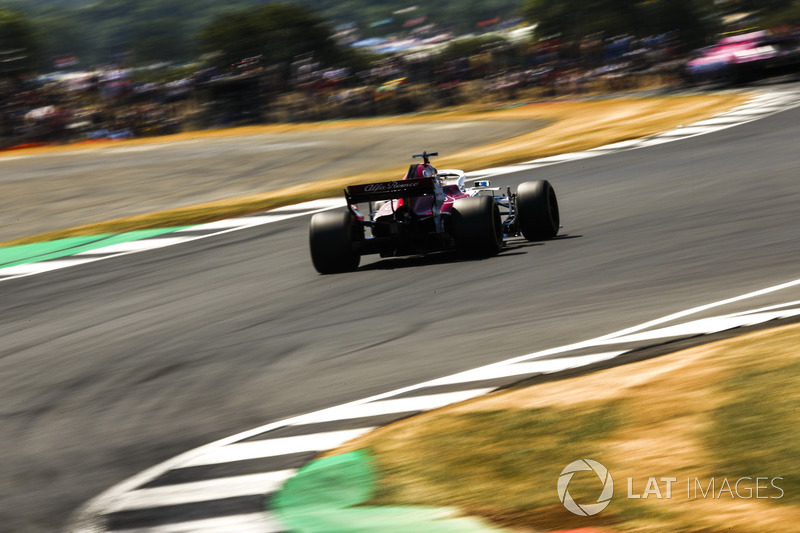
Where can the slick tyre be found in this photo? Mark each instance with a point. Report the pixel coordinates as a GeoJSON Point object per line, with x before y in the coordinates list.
{"type": "Point", "coordinates": [537, 210]}
{"type": "Point", "coordinates": [477, 228]}
{"type": "Point", "coordinates": [332, 238]}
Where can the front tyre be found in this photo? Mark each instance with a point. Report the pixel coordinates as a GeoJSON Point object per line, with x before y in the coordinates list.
{"type": "Point", "coordinates": [537, 210]}
{"type": "Point", "coordinates": [332, 238]}
{"type": "Point", "coordinates": [477, 228]}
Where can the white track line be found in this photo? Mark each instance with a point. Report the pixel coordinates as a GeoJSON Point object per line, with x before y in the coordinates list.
{"type": "Point", "coordinates": [245, 523]}
{"type": "Point", "coordinates": [203, 491]}
{"type": "Point", "coordinates": [504, 370]}
{"type": "Point", "coordinates": [136, 246]}
{"type": "Point", "coordinates": [385, 407]}
{"type": "Point", "coordinates": [704, 326]}
{"type": "Point", "coordinates": [700, 309]}
{"type": "Point", "coordinates": [243, 451]}
{"type": "Point", "coordinates": [29, 269]}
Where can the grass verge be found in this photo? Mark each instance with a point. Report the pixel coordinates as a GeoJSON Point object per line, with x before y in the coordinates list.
{"type": "Point", "coordinates": [576, 126]}
{"type": "Point", "coordinates": [723, 411]}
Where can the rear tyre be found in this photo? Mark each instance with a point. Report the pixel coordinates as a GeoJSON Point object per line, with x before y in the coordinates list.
{"type": "Point", "coordinates": [537, 210]}
{"type": "Point", "coordinates": [332, 237]}
{"type": "Point", "coordinates": [477, 228]}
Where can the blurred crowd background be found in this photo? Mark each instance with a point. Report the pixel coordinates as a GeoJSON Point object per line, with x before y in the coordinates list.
{"type": "Point", "coordinates": [76, 71]}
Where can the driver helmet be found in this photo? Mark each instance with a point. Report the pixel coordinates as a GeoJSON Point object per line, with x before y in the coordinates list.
{"type": "Point", "coordinates": [426, 170]}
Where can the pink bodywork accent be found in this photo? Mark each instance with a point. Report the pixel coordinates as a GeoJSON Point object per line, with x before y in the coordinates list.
{"type": "Point", "coordinates": [423, 205]}
{"type": "Point", "coordinates": [735, 50]}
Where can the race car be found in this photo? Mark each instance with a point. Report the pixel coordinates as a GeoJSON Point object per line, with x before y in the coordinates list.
{"type": "Point", "coordinates": [745, 57]}
{"type": "Point", "coordinates": [430, 211]}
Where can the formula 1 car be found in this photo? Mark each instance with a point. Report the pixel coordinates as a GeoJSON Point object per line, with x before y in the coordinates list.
{"type": "Point", "coordinates": [745, 57]}
{"type": "Point", "coordinates": [430, 211]}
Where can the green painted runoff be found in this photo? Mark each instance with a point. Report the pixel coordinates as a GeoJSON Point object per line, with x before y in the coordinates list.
{"type": "Point", "coordinates": [42, 251]}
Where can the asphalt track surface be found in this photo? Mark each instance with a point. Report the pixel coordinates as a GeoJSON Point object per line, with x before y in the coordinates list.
{"type": "Point", "coordinates": [109, 368]}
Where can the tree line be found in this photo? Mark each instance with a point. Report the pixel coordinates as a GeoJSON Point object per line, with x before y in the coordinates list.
{"type": "Point", "coordinates": [34, 32]}
{"type": "Point", "coordinates": [175, 30]}
{"type": "Point", "coordinates": [694, 22]}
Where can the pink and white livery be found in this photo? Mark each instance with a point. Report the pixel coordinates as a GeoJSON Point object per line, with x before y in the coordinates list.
{"type": "Point", "coordinates": [430, 211]}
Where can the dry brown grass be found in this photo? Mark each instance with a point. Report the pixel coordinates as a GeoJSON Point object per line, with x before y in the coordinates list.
{"type": "Point", "coordinates": [499, 456]}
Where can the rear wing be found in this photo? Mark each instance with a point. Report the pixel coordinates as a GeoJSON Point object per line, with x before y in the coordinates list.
{"type": "Point", "coordinates": [390, 190]}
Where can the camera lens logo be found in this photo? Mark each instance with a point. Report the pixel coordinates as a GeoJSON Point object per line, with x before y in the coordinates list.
{"type": "Point", "coordinates": [586, 509]}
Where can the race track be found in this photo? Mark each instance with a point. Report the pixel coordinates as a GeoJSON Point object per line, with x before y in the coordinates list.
{"type": "Point", "coordinates": [85, 185]}
{"type": "Point", "coordinates": [109, 368]}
